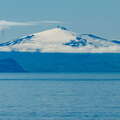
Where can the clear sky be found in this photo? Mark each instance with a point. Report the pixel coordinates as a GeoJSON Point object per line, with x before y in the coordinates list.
{"type": "Point", "coordinates": [99, 17]}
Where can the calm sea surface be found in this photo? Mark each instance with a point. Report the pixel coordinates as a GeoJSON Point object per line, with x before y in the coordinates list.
{"type": "Point", "coordinates": [60, 97]}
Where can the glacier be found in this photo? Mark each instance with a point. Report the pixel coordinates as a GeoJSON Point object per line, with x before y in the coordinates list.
{"type": "Point", "coordinates": [61, 40]}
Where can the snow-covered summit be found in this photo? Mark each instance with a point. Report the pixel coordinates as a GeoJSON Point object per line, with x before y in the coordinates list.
{"type": "Point", "coordinates": [60, 39]}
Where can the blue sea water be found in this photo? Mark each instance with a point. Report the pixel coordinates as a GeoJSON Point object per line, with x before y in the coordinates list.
{"type": "Point", "coordinates": [60, 96]}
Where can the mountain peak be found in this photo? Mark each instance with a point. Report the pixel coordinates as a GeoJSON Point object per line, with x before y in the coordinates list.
{"type": "Point", "coordinates": [60, 39]}
{"type": "Point", "coordinates": [62, 27]}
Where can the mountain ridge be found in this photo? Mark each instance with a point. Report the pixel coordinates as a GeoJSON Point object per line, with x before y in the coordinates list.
{"type": "Point", "coordinates": [61, 40]}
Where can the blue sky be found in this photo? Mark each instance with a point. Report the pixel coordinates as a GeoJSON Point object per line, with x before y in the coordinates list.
{"type": "Point", "coordinates": [100, 17]}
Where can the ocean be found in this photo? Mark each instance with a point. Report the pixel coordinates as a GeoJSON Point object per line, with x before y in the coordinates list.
{"type": "Point", "coordinates": [59, 96]}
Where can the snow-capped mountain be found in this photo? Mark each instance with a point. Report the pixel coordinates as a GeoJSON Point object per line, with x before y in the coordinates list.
{"type": "Point", "coordinates": [61, 40]}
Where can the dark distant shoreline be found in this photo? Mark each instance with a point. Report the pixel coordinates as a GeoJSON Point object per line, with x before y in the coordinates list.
{"type": "Point", "coordinates": [61, 62]}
